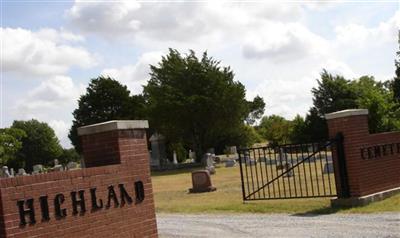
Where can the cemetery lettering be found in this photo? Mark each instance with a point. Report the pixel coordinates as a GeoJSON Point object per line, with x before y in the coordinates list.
{"type": "Point", "coordinates": [377, 151]}
{"type": "Point", "coordinates": [26, 208]}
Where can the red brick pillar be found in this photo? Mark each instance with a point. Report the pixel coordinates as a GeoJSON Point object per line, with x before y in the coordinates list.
{"type": "Point", "coordinates": [113, 142]}
{"type": "Point", "coordinates": [353, 125]}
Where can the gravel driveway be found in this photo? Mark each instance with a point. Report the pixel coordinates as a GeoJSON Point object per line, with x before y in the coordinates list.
{"type": "Point", "coordinates": [279, 225]}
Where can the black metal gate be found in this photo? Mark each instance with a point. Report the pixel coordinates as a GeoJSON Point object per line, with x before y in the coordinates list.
{"type": "Point", "coordinates": [288, 171]}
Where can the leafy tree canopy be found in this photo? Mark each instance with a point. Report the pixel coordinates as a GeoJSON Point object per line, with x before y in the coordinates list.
{"type": "Point", "coordinates": [39, 146]}
{"type": "Point", "coordinates": [10, 143]}
{"type": "Point", "coordinates": [275, 129]}
{"type": "Point", "coordinates": [335, 93]}
{"type": "Point", "coordinates": [197, 101]}
{"type": "Point", "coordinates": [256, 110]}
{"type": "Point", "coordinates": [105, 99]}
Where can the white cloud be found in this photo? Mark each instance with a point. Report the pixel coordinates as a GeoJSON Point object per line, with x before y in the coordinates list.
{"type": "Point", "coordinates": [105, 18]}
{"type": "Point", "coordinates": [361, 36]}
{"type": "Point", "coordinates": [42, 53]}
{"type": "Point", "coordinates": [61, 129]}
{"type": "Point", "coordinates": [52, 102]}
{"type": "Point", "coordinates": [58, 91]}
{"type": "Point", "coordinates": [136, 75]}
{"type": "Point", "coordinates": [174, 22]}
{"type": "Point", "coordinates": [284, 42]}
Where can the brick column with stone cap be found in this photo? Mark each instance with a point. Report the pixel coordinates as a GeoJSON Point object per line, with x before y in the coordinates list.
{"type": "Point", "coordinates": [111, 197]}
{"type": "Point", "coordinates": [353, 124]}
{"type": "Point", "coordinates": [113, 142]}
{"type": "Point", "coordinates": [372, 160]}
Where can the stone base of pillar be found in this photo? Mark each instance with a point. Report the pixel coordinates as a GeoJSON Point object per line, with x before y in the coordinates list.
{"type": "Point", "coordinates": [364, 200]}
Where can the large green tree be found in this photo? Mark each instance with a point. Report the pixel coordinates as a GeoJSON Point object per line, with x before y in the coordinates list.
{"type": "Point", "coordinates": [335, 93]}
{"type": "Point", "coordinates": [275, 129]}
{"type": "Point", "coordinates": [196, 101]}
{"type": "Point", "coordinates": [10, 144]}
{"type": "Point", "coordinates": [105, 99]}
{"type": "Point", "coordinates": [298, 130]}
{"type": "Point", "coordinates": [40, 146]}
{"type": "Point", "coordinates": [256, 110]}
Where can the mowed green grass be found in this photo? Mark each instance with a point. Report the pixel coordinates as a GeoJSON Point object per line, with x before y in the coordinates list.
{"type": "Point", "coordinates": [171, 196]}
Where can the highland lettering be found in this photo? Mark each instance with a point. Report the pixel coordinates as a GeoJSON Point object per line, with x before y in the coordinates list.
{"type": "Point", "coordinates": [116, 197]}
{"type": "Point", "coordinates": [379, 151]}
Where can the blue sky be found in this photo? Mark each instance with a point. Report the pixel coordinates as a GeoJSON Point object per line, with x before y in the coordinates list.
{"type": "Point", "coordinates": [51, 49]}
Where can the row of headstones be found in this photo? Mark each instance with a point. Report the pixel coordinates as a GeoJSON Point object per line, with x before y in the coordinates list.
{"type": "Point", "coordinates": [37, 169]}
{"type": "Point", "coordinates": [328, 167]}
{"type": "Point", "coordinates": [158, 152]}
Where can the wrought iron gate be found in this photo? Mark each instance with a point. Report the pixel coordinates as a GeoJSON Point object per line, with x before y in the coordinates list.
{"type": "Point", "coordinates": [288, 171]}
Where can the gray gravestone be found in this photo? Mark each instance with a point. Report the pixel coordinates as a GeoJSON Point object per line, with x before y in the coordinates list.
{"type": "Point", "coordinates": [57, 166]}
{"type": "Point", "coordinates": [230, 163]}
{"type": "Point", "coordinates": [37, 169]}
{"type": "Point", "coordinates": [5, 172]}
{"type": "Point", "coordinates": [72, 166]}
{"type": "Point", "coordinates": [21, 172]}
{"type": "Point", "coordinates": [251, 162]}
{"type": "Point", "coordinates": [208, 160]}
{"type": "Point", "coordinates": [175, 159]}
{"type": "Point", "coordinates": [328, 168]}
{"type": "Point", "coordinates": [192, 156]}
{"type": "Point", "coordinates": [270, 161]}
{"type": "Point", "coordinates": [289, 173]}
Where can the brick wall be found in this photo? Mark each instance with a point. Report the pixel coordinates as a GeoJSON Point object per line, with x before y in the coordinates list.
{"type": "Point", "coordinates": [372, 160]}
{"type": "Point", "coordinates": [117, 207]}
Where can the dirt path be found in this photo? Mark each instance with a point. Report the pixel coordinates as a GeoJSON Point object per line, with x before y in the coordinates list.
{"type": "Point", "coordinates": [279, 225]}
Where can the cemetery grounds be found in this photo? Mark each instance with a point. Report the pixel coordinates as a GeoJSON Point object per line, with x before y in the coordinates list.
{"type": "Point", "coordinates": [171, 196]}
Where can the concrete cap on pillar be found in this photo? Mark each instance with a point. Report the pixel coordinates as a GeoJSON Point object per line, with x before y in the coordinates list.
{"type": "Point", "coordinates": [346, 113]}
{"type": "Point", "coordinates": [112, 126]}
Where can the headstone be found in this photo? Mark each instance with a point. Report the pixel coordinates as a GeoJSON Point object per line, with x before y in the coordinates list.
{"type": "Point", "coordinates": [269, 161]}
{"type": "Point", "coordinates": [192, 155]}
{"type": "Point", "coordinates": [310, 160]}
{"type": "Point", "coordinates": [37, 169]}
{"type": "Point", "coordinates": [211, 169]}
{"type": "Point", "coordinates": [217, 159]}
{"type": "Point", "coordinates": [328, 168]}
{"type": "Point", "coordinates": [201, 182]}
{"type": "Point", "coordinates": [246, 156]}
{"type": "Point", "coordinates": [289, 173]}
{"type": "Point", "coordinates": [251, 162]}
{"type": "Point", "coordinates": [175, 160]}
{"type": "Point", "coordinates": [57, 166]}
{"type": "Point", "coordinates": [82, 162]}
{"type": "Point", "coordinates": [233, 150]}
{"type": "Point", "coordinates": [21, 172]}
{"type": "Point", "coordinates": [72, 165]}
{"type": "Point", "coordinates": [262, 159]}
{"type": "Point", "coordinates": [158, 154]}
{"type": "Point", "coordinates": [282, 155]}
{"type": "Point", "coordinates": [230, 163]}
{"type": "Point", "coordinates": [208, 160]}
{"type": "Point", "coordinates": [5, 172]}
{"type": "Point", "coordinates": [229, 150]}
{"type": "Point", "coordinates": [12, 173]}
{"type": "Point", "coordinates": [329, 157]}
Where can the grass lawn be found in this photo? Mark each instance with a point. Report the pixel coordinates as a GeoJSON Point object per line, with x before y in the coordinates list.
{"type": "Point", "coordinates": [171, 196]}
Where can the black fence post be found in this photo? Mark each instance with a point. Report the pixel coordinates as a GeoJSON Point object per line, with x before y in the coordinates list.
{"type": "Point", "coordinates": [241, 175]}
{"type": "Point", "coordinates": [344, 182]}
